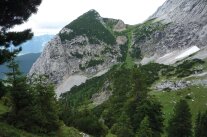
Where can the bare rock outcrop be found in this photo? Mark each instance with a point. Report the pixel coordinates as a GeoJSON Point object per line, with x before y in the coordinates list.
{"type": "Point", "coordinates": [187, 27]}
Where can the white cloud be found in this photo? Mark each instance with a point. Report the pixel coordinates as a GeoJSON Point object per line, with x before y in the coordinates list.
{"type": "Point", "coordinates": [55, 14]}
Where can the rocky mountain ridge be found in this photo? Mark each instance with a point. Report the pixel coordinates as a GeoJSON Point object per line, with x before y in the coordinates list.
{"type": "Point", "coordinates": [187, 28]}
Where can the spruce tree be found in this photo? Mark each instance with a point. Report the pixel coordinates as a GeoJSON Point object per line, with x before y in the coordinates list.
{"type": "Point", "coordinates": [123, 127]}
{"type": "Point", "coordinates": [180, 125]}
{"type": "Point", "coordinates": [153, 109]}
{"type": "Point", "coordinates": [16, 85]}
{"type": "Point", "coordinates": [34, 105]}
{"type": "Point", "coordinates": [20, 96]}
{"type": "Point", "coordinates": [198, 129]}
{"type": "Point", "coordinates": [14, 13]}
{"type": "Point", "coordinates": [201, 125]}
{"type": "Point", "coordinates": [144, 130]}
{"type": "Point", "coordinates": [45, 105]}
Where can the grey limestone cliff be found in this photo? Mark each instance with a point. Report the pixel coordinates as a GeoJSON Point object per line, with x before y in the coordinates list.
{"type": "Point", "coordinates": [74, 52]}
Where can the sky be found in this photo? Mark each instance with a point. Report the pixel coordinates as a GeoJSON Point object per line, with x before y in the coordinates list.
{"type": "Point", "coordinates": [53, 15]}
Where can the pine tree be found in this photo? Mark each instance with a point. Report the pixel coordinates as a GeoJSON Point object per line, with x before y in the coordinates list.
{"type": "Point", "coordinates": [123, 127]}
{"type": "Point", "coordinates": [34, 105]}
{"type": "Point", "coordinates": [201, 125]}
{"type": "Point", "coordinates": [153, 109]}
{"type": "Point", "coordinates": [16, 86]}
{"type": "Point", "coordinates": [180, 125]}
{"type": "Point", "coordinates": [45, 105]}
{"type": "Point", "coordinates": [198, 129]}
{"type": "Point", "coordinates": [144, 130]}
{"type": "Point", "coordinates": [14, 13]}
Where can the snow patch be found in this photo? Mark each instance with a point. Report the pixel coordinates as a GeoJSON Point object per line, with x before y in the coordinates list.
{"type": "Point", "coordinates": [188, 52]}
{"type": "Point", "coordinates": [172, 57]}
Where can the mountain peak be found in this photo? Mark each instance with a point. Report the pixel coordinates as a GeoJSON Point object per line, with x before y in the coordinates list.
{"type": "Point", "coordinates": [90, 25]}
{"type": "Point", "coordinates": [92, 11]}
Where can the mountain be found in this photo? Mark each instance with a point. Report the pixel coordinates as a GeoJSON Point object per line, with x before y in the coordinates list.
{"type": "Point", "coordinates": [25, 63]}
{"type": "Point", "coordinates": [91, 44]}
{"type": "Point", "coordinates": [186, 28]}
{"type": "Point", "coordinates": [84, 47]}
{"type": "Point", "coordinates": [35, 45]}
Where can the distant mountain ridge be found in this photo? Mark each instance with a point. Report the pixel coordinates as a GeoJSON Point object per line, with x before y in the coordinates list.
{"type": "Point", "coordinates": [25, 63]}
{"type": "Point", "coordinates": [36, 44]}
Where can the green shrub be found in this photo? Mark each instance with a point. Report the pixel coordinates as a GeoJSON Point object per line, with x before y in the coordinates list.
{"type": "Point", "coordinates": [77, 55]}
{"type": "Point", "coordinates": [146, 29]}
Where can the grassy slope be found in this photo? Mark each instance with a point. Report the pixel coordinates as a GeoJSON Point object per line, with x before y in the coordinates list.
{"type": "Point", "coordinates": [197, 100]}
{"type": "Point", "coordinates": [129, 61]}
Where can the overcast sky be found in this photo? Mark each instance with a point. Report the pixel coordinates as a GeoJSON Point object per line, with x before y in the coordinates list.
{"type": "Point", "coordinates": [55, 14]}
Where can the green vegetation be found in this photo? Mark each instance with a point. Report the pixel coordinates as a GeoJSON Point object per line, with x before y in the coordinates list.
{"type": "Point", "coordinates": [152, 72]}
{"type": "Point", "coordinates": [65, 131]}
{"type": "Point", "coordinates": [33, 107]}
{"type": "Point", "coordinates": [81, 95]}
{"type": "Point", "coordinates": [136, 52]}
{"type": "Point", "coordinates": [91, 63]}
{"type": "Point", "coordinates": [143, 32]}
{"type": "Point", "coordinates": [94, 62]}
{"type": "Point", "coordinates": [144, 130]}
{"type": "Point", "coordinates": [110, 23]}
{"type": "Point", "coordinates": [77, 55]}
{"type": "Point", "coordinates": [198, 96]}
{"type": "Point", "coordinates": [146, 29]}
{"type": "Point", "coordinates": [180, 124]}
{"type": "Point", "coordinates": [188, 67]}
{"type": "Point", "coordinates": [89, 24]}
{"type": "Point", "coordinates": [129, 111]}
{"type": "Point", "coordinates": [201, 125]}
{"type": "Point", "coordinates": [155, 71]}
{"type": "Point", "coordinates": [10, 131]}
{"type": "Point", "coordinates": [126, 109]}
{"type": "Point", "coordinates": [3, 108]}
{"type": "Point", "coordinates": [7, 130]}
{"type": "Point", "coordinates": [129, 61]}
{"type": "Point", "coordinates": [124, 51]}
{"type": "Point", "coordinates": [121, 114]}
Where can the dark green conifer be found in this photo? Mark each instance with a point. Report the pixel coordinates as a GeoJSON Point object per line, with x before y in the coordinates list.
{"type": "Point", "coordinates": [180, 125]}
{"type": "Point", "coordinates": [201, 125]}
{"type": "Point", "coordinates": [144, 130]}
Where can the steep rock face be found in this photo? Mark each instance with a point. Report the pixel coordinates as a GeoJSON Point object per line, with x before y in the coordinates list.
{"type": "Point", "coordinates": [84, 47]}
{"type": "Point", "coordinates": [183, 11]}
{"type": "Point", "coordinates": [187, 27]}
